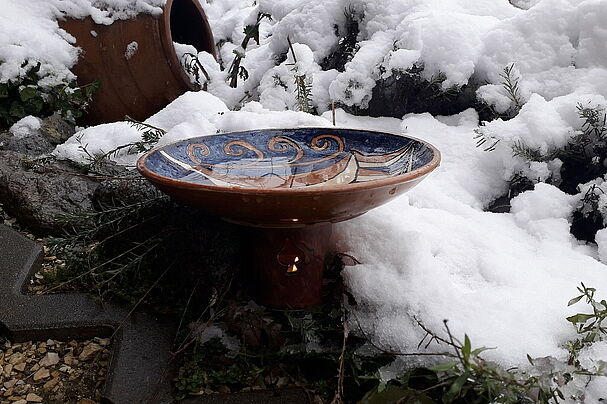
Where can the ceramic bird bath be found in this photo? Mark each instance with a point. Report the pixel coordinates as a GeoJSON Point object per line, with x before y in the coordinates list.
{"type": "Point", "coordinates": [288, 186]}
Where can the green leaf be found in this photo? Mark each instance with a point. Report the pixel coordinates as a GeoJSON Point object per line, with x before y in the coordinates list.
{"type": "Point", "coordinates": [466, 348]}
{"type": "Point", "coordinates": [92, 88]}
{"type": "Point", "coordinates": [575, 300]}
{"type": "Point", "coordinates": [27, 93]}
{"type": "Point", "coordinates": [580, 318]}
{"type": "Point", "coordinates": [455, 388]}
{"type": "Point", "coordinates": [3, 90]}
{"type": "Point", "coordinates": [477, 351]}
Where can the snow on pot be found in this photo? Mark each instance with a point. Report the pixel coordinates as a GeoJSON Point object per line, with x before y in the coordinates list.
{"type": "Point", "coordinates": [135, 60]}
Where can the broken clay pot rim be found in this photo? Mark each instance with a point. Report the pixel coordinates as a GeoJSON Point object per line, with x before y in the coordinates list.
{"type": "Point", "coordinates": [167, 41]}
{"type": "Point", "coordinates": [415, 174]}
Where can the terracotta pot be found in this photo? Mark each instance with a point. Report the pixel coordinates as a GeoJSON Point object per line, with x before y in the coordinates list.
{"type": "Point", "coordinates": [135, 60]}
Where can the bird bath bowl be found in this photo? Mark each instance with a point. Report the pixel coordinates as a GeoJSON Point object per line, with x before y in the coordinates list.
{"type": "Point", "coordinates": [288, 186]}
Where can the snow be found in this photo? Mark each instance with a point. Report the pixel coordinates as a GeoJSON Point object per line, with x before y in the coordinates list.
{"type": "Point", "coordinates": [131, 49]}
{"type": "Point", "coordinates": [187, 116]}
{"type": "Point", "coordinates": [601, 241]}
{"type": "Point", "coordinates": [436, 253]}
{"type": "Point", "coordinates": [25, 127]}
{"type": "Point", "coordinates": [544, 202]}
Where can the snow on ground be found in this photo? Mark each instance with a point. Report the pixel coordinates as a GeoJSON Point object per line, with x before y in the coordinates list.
{"type": "Point", "coordinates": [433, 254]}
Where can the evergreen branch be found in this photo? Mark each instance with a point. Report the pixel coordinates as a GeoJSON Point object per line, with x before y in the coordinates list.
{"type": "Point", "coordinates": [483, 140]}
{"type": "Point", "coordinates": [302, 84]}
{"type": "Point", "coordinates": [511, 85]}
{"type": "Point", "coordinates": [149, 138]}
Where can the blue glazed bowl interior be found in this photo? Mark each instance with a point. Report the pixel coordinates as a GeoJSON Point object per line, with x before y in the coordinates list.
{"type": "Point", "coordinates": [289, 158]}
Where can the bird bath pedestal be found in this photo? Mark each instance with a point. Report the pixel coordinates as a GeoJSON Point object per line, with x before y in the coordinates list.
{"type": "Point", "coordinates": [288, 186]}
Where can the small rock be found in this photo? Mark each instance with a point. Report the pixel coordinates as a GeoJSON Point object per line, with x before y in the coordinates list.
{"type": "Point", "coordinates": [51, 383]}
{"type": "Point", "coordinates": [8, 369]}
{"type": "Point", "coordinates": [88, 351]}
{"type": "Point", "coordinates": [56, 129]}
{"type": "Point", "coordinates": [50, 342]}
{"type": "Point", "coordinates": [42, 373]}
{"type": "Point", "coordinates": [16, 359]}
{"type": "Point", "coordinates": [21, 401]}
{"type": "Point", "coordinates": [9, 384]}
{"type": "Point", "coordinates": [69, 359]}
{"type": "Point", "coordinates": [20, 367]}
{"type": "Point", "coordinates": [33, 398]}
{"type": "Point", "coordinates": [103, 341]}
{"type": "Point", "coordinates": [22, 389]}
{"type": "Point", "coordinates": [50, 359]}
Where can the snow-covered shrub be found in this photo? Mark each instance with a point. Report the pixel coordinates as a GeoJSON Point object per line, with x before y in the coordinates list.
{"type": "Point", "coordinates": [561, 144]}
{"type": "Point", "coordinates": [29, 95]}
{"type": "Point", "coordinates": [374, 58]}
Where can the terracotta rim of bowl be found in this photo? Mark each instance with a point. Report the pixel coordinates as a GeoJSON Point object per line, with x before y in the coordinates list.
{"type": "Point", "coordinates": [396, 180]}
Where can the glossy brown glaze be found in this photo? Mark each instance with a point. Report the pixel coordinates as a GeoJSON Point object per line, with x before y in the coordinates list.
{"type": "Point", "coordinates": [152, 77]}
{"type": "Point", "coordinates": [286, 265]}
{"type": "Point", "coordinates": [290, 207]}
{"type": "Point", "coordinates": [287, 209]}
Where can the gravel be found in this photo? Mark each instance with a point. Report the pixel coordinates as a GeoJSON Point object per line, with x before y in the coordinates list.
{"type": "Point", "coordinates": [53, 371]}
